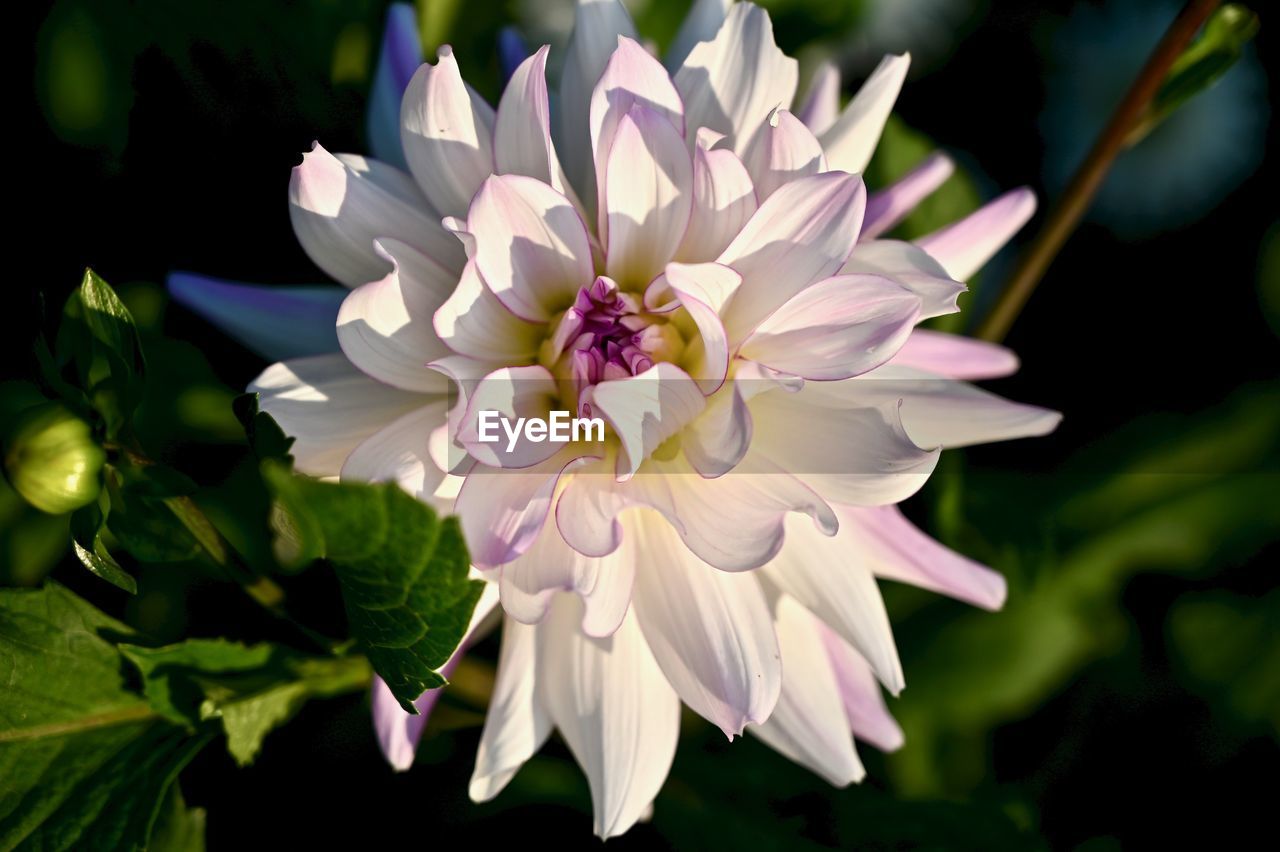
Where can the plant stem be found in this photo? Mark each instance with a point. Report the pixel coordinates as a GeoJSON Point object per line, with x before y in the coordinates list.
{"type": "Point", "coordinates": [1066, 215]}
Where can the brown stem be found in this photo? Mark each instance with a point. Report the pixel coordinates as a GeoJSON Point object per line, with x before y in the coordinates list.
{"type": "Point", "coordinates": [1066, 215]}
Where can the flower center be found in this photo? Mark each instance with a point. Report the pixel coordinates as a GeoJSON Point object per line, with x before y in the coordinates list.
{"type": "Point", "coordinates": [607, 334]}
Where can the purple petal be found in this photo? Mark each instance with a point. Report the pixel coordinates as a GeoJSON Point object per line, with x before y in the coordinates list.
{"type": "Point", "coordinates": [401, 55]}
{"type": "Point", "coordinates": [275, 322]}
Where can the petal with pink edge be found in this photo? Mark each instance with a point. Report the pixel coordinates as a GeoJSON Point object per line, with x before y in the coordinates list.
{"type": "Point", "coordinates": [531, 247]}
{"type": "Point", "coordinates": [399, 452]}
{"type": "Point", "coordinates": [522, 131]}
{"type": "Point", "coordinates": [803, 233]}
{"type": "Point", "coordinates": [955, 357]}
{"type": "Point", "coordinates": [702, 290]}
{"type": "Point", "coordinates": [647, 198]}
{"type": "Point", "coordinates": [645, 410]}
{"type": "Point", "coordinates": [821, 105]}
{"type": "Point", "coordinates": [896, 549]}
{"type": "Point", "coordinates": [911, 267]}
{"type": "Point", "coordinates": [864, 704]}
{"type": "Point", "coordinates": [840, 327]}
{"type": "Point", "coordinates": [514, 393]}
{"type": "Point", "coordinates": [965, 246]}
{"type": "Point", "coordinates": [474, 323]}
{"type": "Point", "coordinates": [891, 205]}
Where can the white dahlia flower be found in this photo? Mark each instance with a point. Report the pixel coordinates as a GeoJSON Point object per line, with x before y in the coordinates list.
{"type": "Point", "coordinates": [686, 258]}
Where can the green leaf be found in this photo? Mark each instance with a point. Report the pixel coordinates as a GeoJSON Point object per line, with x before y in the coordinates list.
{"type": "Point", "coordinates": [145, 526]}
{"type": "Point", "coordinates": [86, 541]}
{"type": "Point", "coordinates": [403, 571]}
{"type": "Point", "coordinates": [98, 340]}
{"type": "Point", "coordinates": [178, 828]}
{"type": "Point", "coordinates": [84, 762]}
{"type": "Point", "coordinates": [248, 689]}
{"type": "Point", "coordinates": [1219, 46]}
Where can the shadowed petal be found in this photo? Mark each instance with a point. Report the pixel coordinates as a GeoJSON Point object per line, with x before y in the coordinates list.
{"type": "Point", "coordinates": [821, 105]}
{"type": "Point", "coordinates": [911, 267]}
{"type": "Point", "coordinates": [723, 200]}
{"type": "Point", "coordinates": [852, 139]}
{"type": "Point", "coordinates": [700, 24]}
{"type": "Point", "coordinates": [784, 150]}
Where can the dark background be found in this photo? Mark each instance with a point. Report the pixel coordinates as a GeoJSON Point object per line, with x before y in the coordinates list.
{"type": "Point", "coordinates": [1128, 696]}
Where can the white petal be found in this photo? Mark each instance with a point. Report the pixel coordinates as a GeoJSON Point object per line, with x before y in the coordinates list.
{"type": "Point", "coordinates": [863, 701]}
{"type": "Point", "coordinates": [596, 27]}
{"type": "Point", "coordinates": [384, 326]}
{"type": "Point", "coordinates": [503, 510]}
{"type": "Point", "coordinates": [809, 724]}
{"type": "Point", "coordinates": [550, 565]}
{"type": "Point", "coordinates": [399, 453]}
{"type": "Point", "coordinates": [821, 105]}
{"type": "Point", "coordinates": [447, 133]}
{"type": "Point", "coordinates": [473, 322]}
{"type": "Point", "coordinates": [522, 132]}
{"type": "Point", "coordinates": [646, 409]}
{"type": "Point", "coordinates": [852, 140]}
{"type": "Point", "coordinates": [711, 631]}
{"type": "Point", "coordinates": [824, 574]}
{"type": "Point", "coordinates": [340, 205]}
{"type": "Point", "coordinates": [839, 327]}
{"type": "Point", "coordinates": [615, 709]}
{"type": "Point", "coordinates": [723, 200]}
{"type": "Point", "coordinates": [939, 412]}
{"type": "Point", "coordinates": [730, 83]}
{"type": "Point", "coordinates": [911, 267]}
{"type": "Point", "coordinates": [955, 357]}
{"type": "Point", "coordinates": [516, 724]}
{"type": "Point", "coordinates": [735, 522]}
{"type": "Point", "coordinates": [516, 393]}
{"type": "Point", "coordinates": [703, 289]}
{"type": "Point", "coordinates": [648, 197]}
{"type": "Point", "coordinates": [700, 24]}
{"type": "Point", "coordinates": [781, 152]}
{"type": "Point", "coordinates": [965, 246]}
{"type": "Point", "coordinates": [858, 455]}
{"type": "Point", "coordinates": [531, 247]}
{"type": "Point", "coordinates": [891, 205]}
{"type": "Point", "coordinates": [329, 407]}
{"type": "Point", "coordinates": [803, 233]}
{"type": "Point", "coordinates": [632, 77]}
{"type": "Point", "coordinates": [891, 546]}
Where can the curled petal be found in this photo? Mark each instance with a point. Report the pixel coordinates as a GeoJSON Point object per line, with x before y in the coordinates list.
{"type": "Point", "coordinates": [340, 205]}
{"type": "Point", "coordinates": [384, 326]}
{"type": "Point", "coordinates": [911, 267]}
{"type": "Point", "coordinates": [852, 139]}
{"type": "Point", "coordinates": [646, 409]}
{"type": "Point", "coordinates": [522, 132]}
{"type": "Point", "coordinates": [703, 290]}
{"type": "Point", "coordinates": [515, 393]}
{"type": "Point", "coordinates": [963, 247]}
{"type": "Point", "coordinates": [473, 322]}
{"type": "Point", "coordinates": [400, 452]}
{"type": "Point", "coordinates": [447, 133]}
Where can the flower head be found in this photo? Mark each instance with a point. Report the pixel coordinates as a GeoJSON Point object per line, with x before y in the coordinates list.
{"type": "Point", "coordinates": [697, 265]}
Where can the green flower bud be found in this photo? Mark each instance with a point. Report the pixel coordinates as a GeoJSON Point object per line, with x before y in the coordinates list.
{"type": "Point", "coordinates": [52, 460]}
